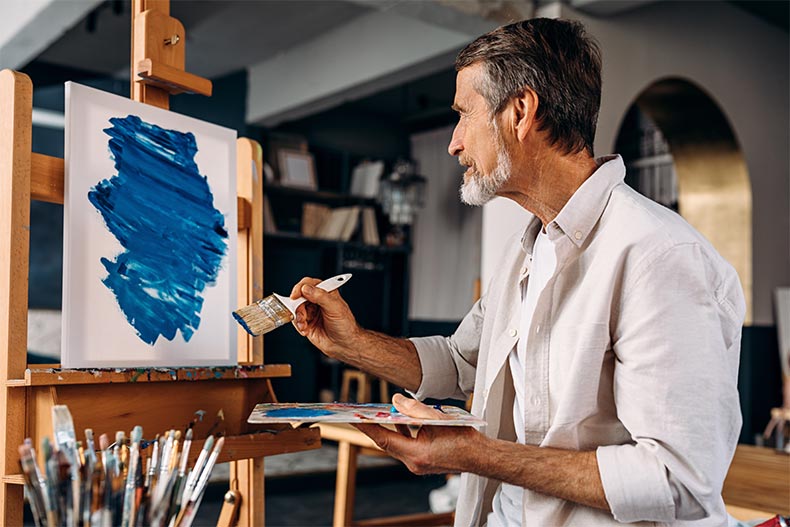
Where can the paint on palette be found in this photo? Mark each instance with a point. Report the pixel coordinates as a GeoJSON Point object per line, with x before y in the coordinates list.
{"type": "Point", "coordinates": [298, 413]}
{"type": "Point", "coordinates": [161, 210]}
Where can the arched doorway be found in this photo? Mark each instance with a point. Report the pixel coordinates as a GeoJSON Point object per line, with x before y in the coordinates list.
{"type": "Point", "coordinates": [680, 151]}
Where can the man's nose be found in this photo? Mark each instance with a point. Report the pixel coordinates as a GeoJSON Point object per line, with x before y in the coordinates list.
{"type": "Point", "coordinates": [456, 143]}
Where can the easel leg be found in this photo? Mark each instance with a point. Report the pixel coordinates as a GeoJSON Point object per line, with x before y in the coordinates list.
{"type": "Point", "coordinates": [12, 500]}
{"type": "Point", "coordinates": [345, 485]}
{"type": "Point", "coordinates": [248, 473]}
{"type": "Point", "coordinates": [16, 104]}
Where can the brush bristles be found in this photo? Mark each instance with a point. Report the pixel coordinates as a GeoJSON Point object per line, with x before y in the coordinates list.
{"type": "Point", "coordinates": [263, 316]}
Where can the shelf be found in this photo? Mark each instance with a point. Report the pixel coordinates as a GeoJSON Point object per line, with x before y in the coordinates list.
{"type": "Point", "coordinates": [60, 376]}
{"type": "Point", "coordinates": [298, 238]}
{"type": "Point", "coordinates": [244, 446]}
{"type": "Point", "coordinates": [324, 195]}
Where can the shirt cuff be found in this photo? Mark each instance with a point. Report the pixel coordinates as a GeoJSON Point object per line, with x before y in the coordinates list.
{"type": "Point", "coordinates": [635, 484]}
{"type": "Point", "coordinates": [439, 373]}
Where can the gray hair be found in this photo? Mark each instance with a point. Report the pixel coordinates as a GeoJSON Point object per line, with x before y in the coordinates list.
{"type": "Point", "coordinates": [557, 60]}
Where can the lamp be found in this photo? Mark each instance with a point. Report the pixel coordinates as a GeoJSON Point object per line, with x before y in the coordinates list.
{"type": "Point", "coordinates": [401, 195]}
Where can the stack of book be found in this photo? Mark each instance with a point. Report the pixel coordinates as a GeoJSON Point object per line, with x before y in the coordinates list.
{"type": "Point", "coordinates": [341, 223]}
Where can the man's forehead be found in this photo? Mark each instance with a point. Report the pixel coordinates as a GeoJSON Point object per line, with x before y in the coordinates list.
{"type": "Point", "coordinates": [465, 84]}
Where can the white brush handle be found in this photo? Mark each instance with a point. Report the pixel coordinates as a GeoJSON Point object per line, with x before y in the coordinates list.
{"type": "Point", "coordinates": [330, 284]}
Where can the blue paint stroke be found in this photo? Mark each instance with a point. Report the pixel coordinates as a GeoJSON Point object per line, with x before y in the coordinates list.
{"type": "Point", "coordinates": [297, 413]}
{"type": "Point", "coordinates": [162, 212]}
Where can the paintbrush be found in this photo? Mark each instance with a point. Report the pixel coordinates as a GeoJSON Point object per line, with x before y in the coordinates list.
{"type": "Point", "coordinates": [54, 512]}
{"type": "Point", "coordinates": [193, 476]}
{"type": "Point", "coordinates": [187, 514]}
{"type": "Point", "coordinates": [108, 466]}
{"type": "Point", "coordinates": [40, 481]}
{"type": "Point", "coordinates": [32, 489]}
{"type": "Point", "coordinates": [66, 442]}
{"type": "Point", "coordinates": [178, 489]}
{"type": "Point", "coordinates": [64, 489]}
{"type": "Point", "coordinates": [220, 417]}
{"type": "Point", "coordinates": [276, 310]}
{"type": "Point", "coordinates": [128, 516]}
{"type": "Point", "coordinates": [88, 476]}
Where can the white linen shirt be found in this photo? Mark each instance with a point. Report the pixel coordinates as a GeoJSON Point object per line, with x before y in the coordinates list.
{"type": "Point", "coordinates": [636, 336]}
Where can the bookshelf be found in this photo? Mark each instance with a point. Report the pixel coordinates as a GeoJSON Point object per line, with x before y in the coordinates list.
{"type": "Point", "coordinates": [378, 294]}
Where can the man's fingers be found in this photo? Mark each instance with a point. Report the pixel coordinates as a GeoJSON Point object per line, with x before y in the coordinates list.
{"type": "Point", "coordinates": [296, 292]}
{"type": "Point", "coordinates": [318, 296]}
{"type": "Point", "coordinates": [414, 408]}
{"type": "Point", "coordinates": [375, 432]}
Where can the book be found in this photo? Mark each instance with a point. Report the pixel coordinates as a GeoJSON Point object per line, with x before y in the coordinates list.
{"type": "Point", "coordinates": [350, 224]}
{"type": "Point", "coordinates": [314, 216]}
{"type": "Point", "coordinates": [270, 413]}
{"type": "Point", "coordinates": [365, 178]}
{"type": "Point", "coordinates": [340, 224]}
{"type": "Point", "coordinates": [370, 229]}
{"type": "Point", "coordinates": [268, 218]}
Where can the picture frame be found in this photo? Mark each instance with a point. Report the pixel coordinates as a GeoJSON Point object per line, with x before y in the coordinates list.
{"type": "Point", "coordinates": [297, 169]}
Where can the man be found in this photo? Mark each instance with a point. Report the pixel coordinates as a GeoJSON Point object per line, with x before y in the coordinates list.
{"type": "Point", "coordinates": [604, 355]}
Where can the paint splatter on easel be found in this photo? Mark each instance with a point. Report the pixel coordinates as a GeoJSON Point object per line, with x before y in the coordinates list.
{"type": "Point", "coordinates": [161, 210]}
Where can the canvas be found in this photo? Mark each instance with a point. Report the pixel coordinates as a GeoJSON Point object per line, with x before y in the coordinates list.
{"type": "Point", "coordinates": [149, 270]}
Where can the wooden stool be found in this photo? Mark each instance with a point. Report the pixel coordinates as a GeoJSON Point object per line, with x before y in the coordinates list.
{"type": "Point", "coordinates": [363, 386]}
{"type": "Point", "coordinates": [350, 444]}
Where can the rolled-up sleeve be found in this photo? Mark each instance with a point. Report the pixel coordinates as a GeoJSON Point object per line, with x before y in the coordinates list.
{"type": "Point", "coordinates": [449, 363]}
{"type": "Point", "coordinates": [677, 345]}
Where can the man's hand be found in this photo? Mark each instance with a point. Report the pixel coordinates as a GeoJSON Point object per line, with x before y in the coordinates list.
{"type": "Point", "coordinates": [435, 449]}
{"type": "Point", "coordinates": [325, 319]}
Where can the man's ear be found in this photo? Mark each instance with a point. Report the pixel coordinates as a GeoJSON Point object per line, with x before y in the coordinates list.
{"type": "Point", "coordinates": [525, 107]}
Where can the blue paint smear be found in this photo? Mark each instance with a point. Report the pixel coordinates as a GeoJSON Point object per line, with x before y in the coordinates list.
{"type": "Point", "coordinates": [162, 212]}
{"type": "Point", "coordinates": [297, 413]}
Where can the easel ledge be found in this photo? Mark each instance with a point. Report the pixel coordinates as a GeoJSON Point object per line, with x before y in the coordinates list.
{"type": "Point", "coordinates": [53, 374]}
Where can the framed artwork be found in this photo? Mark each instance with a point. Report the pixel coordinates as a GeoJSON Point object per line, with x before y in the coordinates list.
{"type": "Point", "coordinates": [297, 169]}
{"type": "Point", "coordinates": [149, 256]}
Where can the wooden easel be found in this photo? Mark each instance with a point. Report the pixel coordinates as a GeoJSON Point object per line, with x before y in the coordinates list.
{"type": "Point", "coordinates": [110, 400]}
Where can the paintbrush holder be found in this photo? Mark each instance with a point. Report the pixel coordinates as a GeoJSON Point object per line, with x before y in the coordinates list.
{"type": "Point", "coordinates": [163, 399]}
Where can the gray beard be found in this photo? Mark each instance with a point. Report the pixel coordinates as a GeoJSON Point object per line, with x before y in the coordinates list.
{"type": "Point", "coordinates": [478, 189]}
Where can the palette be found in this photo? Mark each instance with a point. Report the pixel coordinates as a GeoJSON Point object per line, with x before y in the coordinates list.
{"type": "Point", "coordinates": [270, 413]}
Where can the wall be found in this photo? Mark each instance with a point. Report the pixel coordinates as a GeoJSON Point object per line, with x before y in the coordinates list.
{"type": "Point", "coordinates": [446, 236]}
{"type": "Point", "coordinates": [742, 63]}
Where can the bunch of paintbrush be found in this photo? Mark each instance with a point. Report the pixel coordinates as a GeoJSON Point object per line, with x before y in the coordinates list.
{"type": "Point", "coordinates": [79, 488]}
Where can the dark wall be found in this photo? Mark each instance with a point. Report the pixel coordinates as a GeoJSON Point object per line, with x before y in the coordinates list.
{"type": "Point", "coordinates": [759, 379]}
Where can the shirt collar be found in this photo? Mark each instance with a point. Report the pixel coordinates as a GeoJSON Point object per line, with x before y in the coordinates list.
{"type": "Point", "coordinates": [582, 211]}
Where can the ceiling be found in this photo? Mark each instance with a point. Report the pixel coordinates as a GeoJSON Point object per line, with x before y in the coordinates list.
{"type": "Point", "coordinates": [222, 36]}
{"type": "Point", "coordinates": [393, 54]}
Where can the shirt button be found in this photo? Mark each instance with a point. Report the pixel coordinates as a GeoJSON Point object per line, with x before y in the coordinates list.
{"type": "Point", "coordinates": [537, 329]}
{"type": "Point", "coordinates": [577, 235]}
{"type": "Point", "coordinates": [512, 332]}
{"type": "Point", "coordinates": [535, 401]}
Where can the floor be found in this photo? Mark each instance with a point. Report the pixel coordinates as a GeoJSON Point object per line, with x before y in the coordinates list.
{"type": "Point", "coordinates": [300, 489]}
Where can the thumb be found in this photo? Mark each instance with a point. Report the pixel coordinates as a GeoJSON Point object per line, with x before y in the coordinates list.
{"type": "Point", "coordinates": [316, 295]}
{"type": "Point", "coordinates": [414, 408]}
